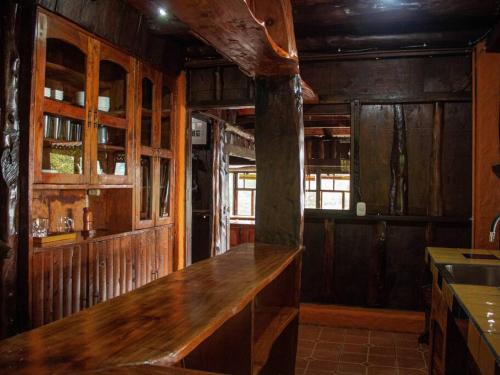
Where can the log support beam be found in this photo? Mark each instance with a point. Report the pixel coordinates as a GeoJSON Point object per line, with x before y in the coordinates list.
{"type": "Point", "coordinates": [279, 144]}
{"type": "Point", "coordinates": [9, 162]}
{"type": "Point", "coordinates": [398, 196]}
{"type": "Point", "coordinates": [436, 195]}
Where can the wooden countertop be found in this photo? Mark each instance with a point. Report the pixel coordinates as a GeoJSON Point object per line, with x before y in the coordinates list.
{"type": "Point", "coordinates": [159, 323]}
{"type": "Point", "coordinates": [481, 303]}
{"type": "Point", "coordinates": [147, 370]}
{"type": "Point", "coordinates": [444, 255]}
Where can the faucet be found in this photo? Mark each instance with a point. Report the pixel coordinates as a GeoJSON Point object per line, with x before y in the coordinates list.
{"type": "Point", "coordinates": [493, 229]}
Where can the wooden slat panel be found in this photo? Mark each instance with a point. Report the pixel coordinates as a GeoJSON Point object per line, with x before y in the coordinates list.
{"type": "Point", "coordinates": [109, 249]}
{"type": "Point", "coordinates": [76, 279]}
{"type": "Point", "coordinates": [101, 265]}
{"type": "Point", "coordinates": [67, 276]}
{"type": "Point", "coordinates": [128, 281]}
{"type": "Point", "coordinates": [37, 291]}
{"type": "Point", "coordinates": [47, 268]}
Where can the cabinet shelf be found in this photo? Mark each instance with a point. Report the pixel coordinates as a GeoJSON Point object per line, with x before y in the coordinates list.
{"type": "Point", "coordinates": [104, 147]}
{"type": "Point", "coordinates": [57, 143]}
{"type": "Point", "coordinates": [269, 323]}
{"type": "Point", "coordinates": [62, 73]}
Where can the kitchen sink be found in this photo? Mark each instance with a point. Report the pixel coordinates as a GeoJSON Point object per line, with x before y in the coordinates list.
{"type": "Point", "coordinates": [471, 274]}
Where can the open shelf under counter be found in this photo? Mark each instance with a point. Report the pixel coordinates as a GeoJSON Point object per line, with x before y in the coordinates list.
{"type": "Point", "coordinates": [269, 324]}
{"type": "Point", "coordinates": [100, 235]}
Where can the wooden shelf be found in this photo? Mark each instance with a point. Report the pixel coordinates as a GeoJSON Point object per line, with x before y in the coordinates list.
{"type": "Point", "coordinates": [62, 73]}
{"type": "Point", "coordinates": [61, 143]}
{"type": "Point", "coordinates": [79, 186]}
{"type": "Point", "coordinates": [100, 235]}
{"type": "Point", "coordinates": [269, 323]}
{"type": "Point", "coordinates": [105, 147]}
{"type": "Point", "coordinates": [65, 109]}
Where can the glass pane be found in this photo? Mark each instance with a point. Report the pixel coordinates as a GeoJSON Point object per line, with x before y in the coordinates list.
{"type": "Point", "coordinates": [311, 182]}
{"type": "Point", "coordinates": [146, 187]}
{"type": "Point", "coordinates": [326, 182]}
{"type": "Point", "coordinates": [165, 117]}
{"type": "Point", "coordinates": [146, 112]}
{"type": "Point", "coordinates": [65, 72]}
{"type": "Point", "coordinates": [250, 180]}
{"type": "Point", "coordinates": [111, 151]}
{"type": "Point", "coordinates": [347, 199]}
{"type": "Point", "coordinates": [112, 89]}
{"type": "Point", "coordinates": [331, 200]}
{"type": "Point", "coordinates": [342, 185]}
{"type": "Point", "coordinates": [310, 199]}
{"type": "Point", "coordinates": [231, 193]}
{"type": "Point", "coordinates": [164, 187]}
{"type": "Point", "coordinates": [62, 145]}
{"type": "Point", "coordinates": [241, 181]}
{"type": "Point", "coordinates": [244, 203]}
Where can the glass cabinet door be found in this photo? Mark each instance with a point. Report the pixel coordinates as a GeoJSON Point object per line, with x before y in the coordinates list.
{"type": "Point", "coordinates": [147, 123]}
{"type": "Point", "coordinates": [62, 108]}
{"type": "Point", "coordinates": [166, 112]}
{"type": "Point", "coordinates": [112, 108]}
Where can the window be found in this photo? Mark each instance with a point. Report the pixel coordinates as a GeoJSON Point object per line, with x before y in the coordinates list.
{"type": "Point", "coordinates": [329, 191]}
{"type": "Point", "coordinates": [242, 186]}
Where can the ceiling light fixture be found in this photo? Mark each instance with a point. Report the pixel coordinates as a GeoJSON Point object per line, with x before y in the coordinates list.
{"type": "Point", "coordinates": [162, 12]}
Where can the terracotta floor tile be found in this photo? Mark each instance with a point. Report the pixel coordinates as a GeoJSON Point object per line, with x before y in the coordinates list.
{"type": "Point", "coordinates": [300, 363]}
{"type": "Point", "coordinates": [357, 332]}
{"type": "Point", "coordinates": [352, 358]}
{"type": "Point", "coordinates": [382, 334]}
{"type": "Point", "coordinates": [332, 335]}
{"type": "Point", "coordinates": [382, 341]}
{"type": "Point", "coordinates": [304, 352]}
{"type": "Point", "coordinates": [299, 371]}
{"type": "Point", "coordinates": [318, 372]}
{"type": "Point", "coordinates": [322, 365]}
{"type": "Point", "coordinates": [306, 344]}
{"type": "Point", "coordinates": [379, 370]}
{"type": "Point", "coordinates": [408, 371]}
{"type": "Point", "coordinates": [356, 339]}
{"type": "Point", "coordinates": [330, 355]}
{"type": "Point", "coordinates": [354, 348]}
{"type": "Point", "coordinates": [332, 346]}
{"type": "Point", "coordinates": [350, 368]}
{"type": "Point", "coordinates": [382, 360]}
{"type": "Point", "coordinates": [408, 353]}
{"type": "Point", "coordinates": [309, 332]}
{"type": "Point", "coordinates": [382, 350]}
{"type": "Point", "coordinates": [415, 363]}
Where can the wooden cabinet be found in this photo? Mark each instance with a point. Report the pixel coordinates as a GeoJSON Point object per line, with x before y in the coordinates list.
{"type": "Point", "coordinates": [164, 252]}
{"type": "Point", "coordinates": [84, 100]}
{"type": "Point", "coordinates": [154, 176]}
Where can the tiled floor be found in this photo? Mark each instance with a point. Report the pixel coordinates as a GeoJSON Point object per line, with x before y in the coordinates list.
{"type": "Point", "coordinates": [324, 351]}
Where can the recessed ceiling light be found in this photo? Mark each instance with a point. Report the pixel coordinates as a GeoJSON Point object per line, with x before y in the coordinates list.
{"type": "Point", "coordinates": [162, 12]}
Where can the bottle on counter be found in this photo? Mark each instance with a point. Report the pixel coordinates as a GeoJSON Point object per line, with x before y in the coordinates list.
{"type": "Point", "coordinates": [88, 221]}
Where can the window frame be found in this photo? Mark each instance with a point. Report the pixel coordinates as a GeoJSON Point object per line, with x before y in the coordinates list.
{"type": "Point", "coordinates": [234, 214]}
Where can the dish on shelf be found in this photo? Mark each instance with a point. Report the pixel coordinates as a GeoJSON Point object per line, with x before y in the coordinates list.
{"type": "Point", "coordinates": [47, 91]}
{"type": "Point", "coordinates": [80, 98]}
{"type": "Point", "coordinates": [58, 94]}
{"type": "Point", "coordinates": [103, 103]}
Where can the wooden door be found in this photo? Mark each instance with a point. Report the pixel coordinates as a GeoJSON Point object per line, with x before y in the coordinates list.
{"type": "Point", "coordinates": [110, 269]}
{"type": "Point", "coordinates": [62, 109]}
{"type": "Point", "coordinates": [164, 250]}
{"type": "Point", "coordinates": [59, 283]}
{"type": "Point", "coordinates": [164, 171]}
{"type": "Point", "coordinates": [144, 257]}
{"type": "Point", "coordinates": [112, 116]}
{"type": "Point", "coordinates": [147, 117]}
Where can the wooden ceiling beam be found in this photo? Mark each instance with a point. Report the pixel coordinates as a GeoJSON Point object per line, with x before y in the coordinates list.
{"type": "Point", "coordinates": [232, 28]}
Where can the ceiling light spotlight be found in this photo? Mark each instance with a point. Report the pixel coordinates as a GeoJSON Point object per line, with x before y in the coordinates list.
{"type": "Point", "coordinates": [162, 12]}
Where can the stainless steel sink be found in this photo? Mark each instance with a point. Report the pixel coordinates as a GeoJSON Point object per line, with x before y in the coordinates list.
{"type": "Point", "coordinates": [471, 274]}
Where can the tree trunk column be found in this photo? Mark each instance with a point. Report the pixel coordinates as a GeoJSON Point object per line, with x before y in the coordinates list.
{"type": "Point", "coordinates": [279, 145]}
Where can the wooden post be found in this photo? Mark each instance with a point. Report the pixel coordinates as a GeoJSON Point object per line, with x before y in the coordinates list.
{"type": "Point", "coordinates": [279, 144]}
{"type": "Point", "coordinates": [355, 160]}
{"type": "Point", "coordinates": [436, 196]}
{"type": "Point", "coordinates": [377, 265]}
{"type": "Point", "coordinates": [398, 196]}
{"type": "Point", "coordinates": [9, 160]}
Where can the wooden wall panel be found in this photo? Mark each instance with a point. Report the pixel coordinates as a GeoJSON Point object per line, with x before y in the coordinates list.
{"type": "Point", "coordinates": [376, 127]}
{"type": "Point", "coordinates": [456, 159]}
{"type": "Point", "coordinates": [144, 248]}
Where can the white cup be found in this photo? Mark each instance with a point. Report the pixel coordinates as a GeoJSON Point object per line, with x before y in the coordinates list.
{"type": "Point", "coordinates": [46, 92]}
{"type": "Point", "coordinates": [58, 95]}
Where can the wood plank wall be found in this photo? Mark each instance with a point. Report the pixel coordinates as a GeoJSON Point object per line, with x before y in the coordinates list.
{"type": "Point", "coordinates": [379, 262]}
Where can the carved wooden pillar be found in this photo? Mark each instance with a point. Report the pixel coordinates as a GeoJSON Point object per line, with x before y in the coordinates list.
{"type": "Point", "coordinates": [279, 144]}
{"type": "Point", "coordinates": [436, 204]}
{"type": "Point", "coordinates": [9, 160]}
{"type": "Point", "coordinates": [398, 196]}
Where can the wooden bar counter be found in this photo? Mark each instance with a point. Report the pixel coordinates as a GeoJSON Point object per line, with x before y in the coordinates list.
{"type": "Point", "coordinates": [236, 314]}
